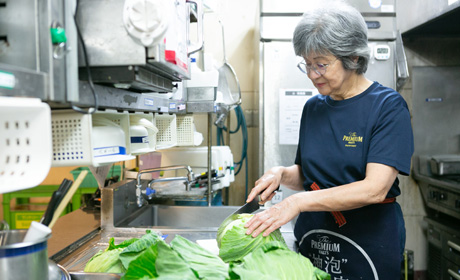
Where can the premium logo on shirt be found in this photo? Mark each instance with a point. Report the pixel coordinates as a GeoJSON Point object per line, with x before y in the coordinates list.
{"type": "Point", "coordinates": [351, 139]}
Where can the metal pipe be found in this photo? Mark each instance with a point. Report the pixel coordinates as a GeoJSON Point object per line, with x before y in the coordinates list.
{"type": "Point", "coordinates": [209, 198]}
{"type": "Point", "coordinates": [227, 189]}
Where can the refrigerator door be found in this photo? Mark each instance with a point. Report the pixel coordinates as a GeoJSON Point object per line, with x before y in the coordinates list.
{"type": "Point", "coordinates": [382, 69]}
{"type": "Point", "coordinates": [279, 71]}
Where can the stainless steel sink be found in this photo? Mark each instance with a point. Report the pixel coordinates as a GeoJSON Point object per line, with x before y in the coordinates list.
{"type": "Point", "coordinates": [178, 216]}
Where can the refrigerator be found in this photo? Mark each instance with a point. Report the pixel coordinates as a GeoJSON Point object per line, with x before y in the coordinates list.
{"type": "Point", "coordinates": [283, 89]}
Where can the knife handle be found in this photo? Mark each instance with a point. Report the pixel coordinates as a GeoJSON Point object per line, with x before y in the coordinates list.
{"type": "Point", "coordinates": [48, 216]}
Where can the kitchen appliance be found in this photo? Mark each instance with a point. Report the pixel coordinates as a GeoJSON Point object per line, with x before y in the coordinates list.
{"type": "Point", "coordinates": [142, 46]}
{"type": "Point", "coordinates": [443, 249]}
{"type": "Point", "coordinates": [51, 49]}
{"type": "Point", "coordinates": [436, 163]}
{"type": "Point", "coordinates": [444, 165]}
{"type": "Point", "coordinates": [284, 89]}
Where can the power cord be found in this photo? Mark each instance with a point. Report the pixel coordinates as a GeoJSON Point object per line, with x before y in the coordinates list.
{"type": "Point", "coordinates": [88, 70]}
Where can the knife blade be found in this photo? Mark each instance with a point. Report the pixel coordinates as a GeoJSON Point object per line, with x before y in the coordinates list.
{"type": "Point", "coordinates": [247, 208]}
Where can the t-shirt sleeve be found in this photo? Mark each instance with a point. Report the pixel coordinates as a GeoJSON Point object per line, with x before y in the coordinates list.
{"type": "Point", "coordinates": [392, 139]}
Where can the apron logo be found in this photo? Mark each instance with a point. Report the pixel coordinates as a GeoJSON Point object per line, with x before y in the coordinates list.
{"type": "Point", "coordinates": [336, 253]}
{"type": "Point", "coordinates": [324, 245]}
{"type": "Point", "coordinates": [351, 139]}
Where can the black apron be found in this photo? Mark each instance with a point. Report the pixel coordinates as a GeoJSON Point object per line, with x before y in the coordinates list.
{"type": "Point", "coordinates": [369, 246]}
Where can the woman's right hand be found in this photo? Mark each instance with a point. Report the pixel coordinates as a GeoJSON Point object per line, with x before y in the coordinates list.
{"type": "Point", "coordinates": [267, 185]}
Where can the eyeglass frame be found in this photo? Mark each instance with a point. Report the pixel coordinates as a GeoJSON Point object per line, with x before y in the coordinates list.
{"type": "Point", "coordinates": [304, 68]}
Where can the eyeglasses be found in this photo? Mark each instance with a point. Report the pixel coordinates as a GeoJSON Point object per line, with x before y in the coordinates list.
{"type": "Point", "coordinates": [319, 68]}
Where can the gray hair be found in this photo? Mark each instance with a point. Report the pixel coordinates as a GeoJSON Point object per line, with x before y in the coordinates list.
{"type": "Point", "coordinates": [334, 28]}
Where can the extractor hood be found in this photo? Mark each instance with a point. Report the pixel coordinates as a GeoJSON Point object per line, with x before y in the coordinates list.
{"type": "Point", "coordinates": [429, 18]}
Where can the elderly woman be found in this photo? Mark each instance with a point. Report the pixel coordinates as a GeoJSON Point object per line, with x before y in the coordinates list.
{"type": "Point", "coordinates": [355, 138]}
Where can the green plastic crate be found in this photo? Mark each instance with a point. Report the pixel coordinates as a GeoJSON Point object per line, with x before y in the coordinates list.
{"type": "Point", "coordinates": [23, 219]}
{"type": "Point", "coordinates": [90, 181]}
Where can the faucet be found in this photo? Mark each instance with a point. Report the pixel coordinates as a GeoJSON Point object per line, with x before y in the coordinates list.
{"type": "Point", "coordinates": [150, 192]}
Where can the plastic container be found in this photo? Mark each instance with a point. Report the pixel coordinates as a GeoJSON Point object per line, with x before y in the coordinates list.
{"type": "Point", "coordinates": [143, 133]}
{"type": "Point", "coordinates": [23, 260]}
{"type": "Point", "coordinates": [25, 143]}
{"type": "Point", "coordinates": [167, 131]}
{"type": "Point", "coordinates": [185, 130]}
{"type": "Point", "coordinates": [74, 142]}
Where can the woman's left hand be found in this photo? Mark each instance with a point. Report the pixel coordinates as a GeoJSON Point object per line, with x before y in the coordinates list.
{"type": "Point", "coordinates": [273, 218]}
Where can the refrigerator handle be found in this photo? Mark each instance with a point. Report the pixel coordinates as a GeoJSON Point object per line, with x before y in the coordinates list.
{"type": "Point", "coordinates": [402, 71]}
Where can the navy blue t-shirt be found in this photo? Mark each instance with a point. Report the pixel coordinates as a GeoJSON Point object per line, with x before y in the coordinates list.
{"type": "Point", "coordinates": [338, 138]}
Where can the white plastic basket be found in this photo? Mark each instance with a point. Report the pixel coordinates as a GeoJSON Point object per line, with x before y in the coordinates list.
{"type": "Point", "coordinates": [167, 131]}
{"type": "Point", "coordinates": [73, 141]}
{"type": "Point", "coordinates": [25, 143]}
{"type": "Point", "coordinates": [185, 130]}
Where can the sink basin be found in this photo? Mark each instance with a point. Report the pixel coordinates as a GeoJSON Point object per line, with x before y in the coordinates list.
{"type": "Point", "coordinates": [178, 216]}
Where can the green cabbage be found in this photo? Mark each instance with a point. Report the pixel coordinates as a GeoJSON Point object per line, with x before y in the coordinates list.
{"type": "Point", "coordinates": [203, 262]}
{"type": "Point", "coordinates": [149, 257]}
{"type": "Point", "coordinates": [234, 243]}
{"type": "Point", "coordinates": [105, 261]}
{"type": "Point", "coordinates": [273, 261]}
{"type": "Point", "coordinates": [109, 259]}
{"type": "Point", "coordinates": [132, 251]}
{"type": "Point", "coordinates": [159, 261]}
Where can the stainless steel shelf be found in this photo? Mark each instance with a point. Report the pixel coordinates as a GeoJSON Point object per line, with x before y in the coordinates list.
{"type": "Point", "coordinates": [22, 82]}
{"type": "Point", "coordinates": [120, 99]}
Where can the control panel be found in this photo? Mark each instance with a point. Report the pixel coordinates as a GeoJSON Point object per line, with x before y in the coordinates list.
{"type": "Point", "coordinates": [447, 198]}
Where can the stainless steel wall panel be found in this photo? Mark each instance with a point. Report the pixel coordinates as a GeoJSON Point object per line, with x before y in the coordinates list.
{"type": "Point", "coordinates": [282, 27]}
{"type": "Point", "coordinates": [290, 6]}
{"type": "Point", "coordinates": [436, 99]}
{"type": "Point", "coordinates": [412, 14]}
{"type": "Point", "coordinates": [18, 24]}
{"type": "Point", "coordinates": [28, 83]}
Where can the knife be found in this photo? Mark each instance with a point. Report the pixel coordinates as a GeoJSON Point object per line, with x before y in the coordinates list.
{"type": "Point", "coordinates": [247, 208]}
{"type": "Point", "coordinates": [48, 215]}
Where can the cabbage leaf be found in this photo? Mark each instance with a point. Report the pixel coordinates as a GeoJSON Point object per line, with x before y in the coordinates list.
{"type": "Point", "coordinates": [276, 262]}
{"type": "Point", "coordinates": [105, 261]}
{"type": "Point", "coordinates": [132, 251]}
{"type": "Point", "coordinates": [234, 243]}
{"type": "Point", "coordinates": [159, 261]}
{"type": "Point", "coordinates": [203, 262]}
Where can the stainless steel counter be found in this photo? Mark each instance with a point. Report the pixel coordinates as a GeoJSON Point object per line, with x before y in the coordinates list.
{"type": "Point", "coordinates": [71, 229]}
{"type": "Point", "coordinates": [77, 236]}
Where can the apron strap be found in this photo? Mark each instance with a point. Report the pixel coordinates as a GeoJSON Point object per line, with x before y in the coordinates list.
{"type": "Point", "coordinates": [338, 216]}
